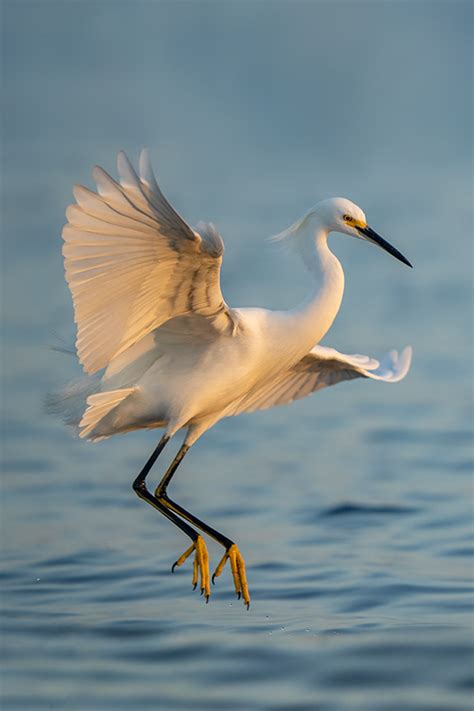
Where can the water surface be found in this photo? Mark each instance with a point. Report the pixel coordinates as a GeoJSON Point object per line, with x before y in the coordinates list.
{"type": "Point", "coordinates": [353, 508]}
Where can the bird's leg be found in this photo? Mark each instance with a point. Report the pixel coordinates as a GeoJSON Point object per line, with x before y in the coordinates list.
{"type": "Point", "coordinates": [139, 482]}
{"type": "Point", "coordinates": [201, 561]}
{"type": "Point", "coordinates": [232, 553]}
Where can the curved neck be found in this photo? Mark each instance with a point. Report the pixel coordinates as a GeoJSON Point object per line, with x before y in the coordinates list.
{"type": "Point", "coordinates": [315, 315]}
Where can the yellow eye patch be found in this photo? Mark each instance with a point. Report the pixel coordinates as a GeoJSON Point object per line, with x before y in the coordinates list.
{"type": "Point", "coordinates": [353, 222]}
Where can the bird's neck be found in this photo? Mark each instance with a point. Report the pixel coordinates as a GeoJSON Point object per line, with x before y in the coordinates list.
{"type": "Point", "coordinates": [314, 316]}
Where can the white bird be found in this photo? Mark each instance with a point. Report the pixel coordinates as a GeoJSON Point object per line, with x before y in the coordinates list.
{"type": "Point", "coordinates": [163, 349]}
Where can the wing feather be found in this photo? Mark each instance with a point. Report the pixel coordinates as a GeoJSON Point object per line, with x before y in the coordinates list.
{"type": "Point", "coordinates": [320, 368]}
{"type": "Point", "coordinates": [132, 264]}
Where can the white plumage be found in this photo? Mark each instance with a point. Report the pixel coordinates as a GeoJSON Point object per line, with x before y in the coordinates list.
{"type": "Point", "coordinates": [132, 263]}
{"type": "Point", "coordinates": [162, 348]}
{"type": "Point", "coordinates": [149, 310]}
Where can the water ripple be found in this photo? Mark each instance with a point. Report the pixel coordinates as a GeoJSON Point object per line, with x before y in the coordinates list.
{"type": "Point", "coordinates": [352, 508]}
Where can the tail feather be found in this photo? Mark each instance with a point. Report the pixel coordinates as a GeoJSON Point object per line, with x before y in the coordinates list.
{"type": "Point", "coordinates": [70, 402]}
{"type": "Point", "coordinates": [99, 406]}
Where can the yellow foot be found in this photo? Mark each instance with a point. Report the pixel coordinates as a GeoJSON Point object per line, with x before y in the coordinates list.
{"type": "Point", "coordinates": [237, 565]}
{"type": "Point", "coordinates": [201, 565]}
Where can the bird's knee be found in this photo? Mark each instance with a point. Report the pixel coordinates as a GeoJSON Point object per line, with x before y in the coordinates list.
{"type": "Point", "coordinates": [139, 486]}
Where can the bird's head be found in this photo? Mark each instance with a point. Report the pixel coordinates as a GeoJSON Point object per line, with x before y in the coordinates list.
{"type": "Point", "coordinates": [335, 215]}
{"type": "Point", "coordinates": [342, 215]}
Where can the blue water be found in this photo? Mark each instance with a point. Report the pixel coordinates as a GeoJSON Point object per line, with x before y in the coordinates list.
{"type": "Point", "coordinates": [352, 508]}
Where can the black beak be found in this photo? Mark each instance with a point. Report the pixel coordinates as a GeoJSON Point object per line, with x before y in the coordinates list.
{"type": "Point", "coordinates": [372, 236]}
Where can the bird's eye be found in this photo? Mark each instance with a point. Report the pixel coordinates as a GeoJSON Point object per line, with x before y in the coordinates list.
{"type": "Point", "coordinates": [347, 218]}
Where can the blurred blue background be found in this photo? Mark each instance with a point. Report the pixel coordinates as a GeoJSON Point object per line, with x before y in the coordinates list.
{"type": "Point", "coordinates": [353, 508]}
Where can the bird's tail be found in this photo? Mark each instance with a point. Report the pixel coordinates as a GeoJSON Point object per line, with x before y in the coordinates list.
{"type": "Point", "coordinates": [101, 419]}
{"type": "Point", "coordinates": [69, 402]}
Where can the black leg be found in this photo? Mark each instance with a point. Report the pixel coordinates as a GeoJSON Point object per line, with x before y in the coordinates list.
{"type": "Point", "coordinates": [201, 563]}
{"type": "Point", "coordinates": [175, 513]}
{"type": "Point", "coordinates": [232, 553]}
{"type": "Point", "coordinates": [144, 494]}
{"type": "Point", "coordinates": [140, 480]}
{"type": "Point", "coordinates": [139, 486]}
{"type": "Point", "coordinates": [162, 496]}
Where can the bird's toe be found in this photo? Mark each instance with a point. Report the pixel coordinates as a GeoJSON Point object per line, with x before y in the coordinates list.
{"type": "Point", "coordinates": [200, 565]}
{"type": "Point", "coordinates": [237, 566]}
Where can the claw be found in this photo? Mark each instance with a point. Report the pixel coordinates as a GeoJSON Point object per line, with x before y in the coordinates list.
{"type": "Point", "coordinates": [237, 566]}
{"type": "Point", "coordinates": [213, 579]}
{"type": "Point", "coordinates": [200, 564]}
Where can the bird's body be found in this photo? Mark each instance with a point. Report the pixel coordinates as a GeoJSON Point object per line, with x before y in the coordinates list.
{"type": "Point", "coordinates": [180, 380]}
{"type": "Point", "coordinates": [168, 351]}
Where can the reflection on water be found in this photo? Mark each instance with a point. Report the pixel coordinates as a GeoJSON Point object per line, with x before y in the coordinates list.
{"type": "Point", "coordinates": [353, 508]}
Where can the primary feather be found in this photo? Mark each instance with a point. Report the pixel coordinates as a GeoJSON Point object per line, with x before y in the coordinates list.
{"type": "Point", "coordinates": [320, 368]}
{"type": "Point", "coordinates": [132, 263]}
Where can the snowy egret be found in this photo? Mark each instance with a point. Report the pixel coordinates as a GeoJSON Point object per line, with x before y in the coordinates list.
{"type": "Point", "coordinates": [161, 347]}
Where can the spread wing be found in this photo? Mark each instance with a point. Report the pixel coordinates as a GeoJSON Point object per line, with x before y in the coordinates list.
{"type": "Point", "coordinates": [132, 263]}
{"type": "Point", "coordinates": [320, 368]}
